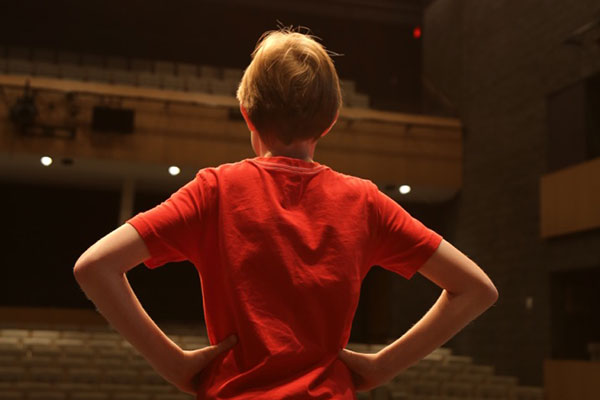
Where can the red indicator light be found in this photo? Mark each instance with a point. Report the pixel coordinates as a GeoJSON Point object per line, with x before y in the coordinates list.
{"type": "Point", "coordinates": [417, 32]}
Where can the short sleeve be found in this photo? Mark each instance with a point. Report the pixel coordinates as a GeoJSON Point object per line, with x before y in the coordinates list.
{"type": "Point", "coordinates": [172, 230]}
{"type": "Point", "coordinates": [402, 243]}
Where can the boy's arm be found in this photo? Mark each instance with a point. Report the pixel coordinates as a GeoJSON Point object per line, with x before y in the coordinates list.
{"type": "Point", "coordinates": [100, 271]}
{"type": "Point", "coordinates": [467, 293]}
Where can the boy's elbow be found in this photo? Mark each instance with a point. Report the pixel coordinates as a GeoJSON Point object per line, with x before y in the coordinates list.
{"type": "Point", "coordinates": [490, 294]}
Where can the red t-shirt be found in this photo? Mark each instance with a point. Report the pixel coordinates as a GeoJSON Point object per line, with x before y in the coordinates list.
{"type": "Point", "coordinates": [281, 246]}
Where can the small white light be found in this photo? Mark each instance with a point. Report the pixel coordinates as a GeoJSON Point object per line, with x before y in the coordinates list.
{"type": "Point", "coordinates": [404, 189]}
{"type": "Point", "coordinates": [173, 170]}
{"type": "Point", "coordinates": [46, 161]}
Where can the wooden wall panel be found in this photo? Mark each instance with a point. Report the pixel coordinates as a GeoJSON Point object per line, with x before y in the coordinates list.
{"type": "Point", "coordinates": [571, 379]}
{"type": "Point", "coordinates": [570, 199]}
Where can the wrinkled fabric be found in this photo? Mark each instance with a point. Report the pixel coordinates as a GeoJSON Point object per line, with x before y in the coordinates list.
{"type": "Point", "coordinates": [281, 246]}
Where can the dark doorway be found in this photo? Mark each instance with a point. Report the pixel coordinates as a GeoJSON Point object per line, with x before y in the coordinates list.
{"type": "Point", "coordinates": [575, 312]}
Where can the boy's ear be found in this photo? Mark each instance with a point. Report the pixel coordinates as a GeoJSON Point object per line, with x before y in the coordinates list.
{"type": "Point", "coordinates": [251, 126]}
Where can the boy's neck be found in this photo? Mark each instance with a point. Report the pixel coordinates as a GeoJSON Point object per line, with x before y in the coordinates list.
{"type": "Point", "coordinates": [303, 150]}
{"type": "Point", "coordinates": [299, 155]}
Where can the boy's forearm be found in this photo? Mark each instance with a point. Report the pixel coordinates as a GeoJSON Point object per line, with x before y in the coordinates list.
{"type": "Point", "coordinates": [447, 316]}
{"type": "Point", "coordinates": [116, 301]}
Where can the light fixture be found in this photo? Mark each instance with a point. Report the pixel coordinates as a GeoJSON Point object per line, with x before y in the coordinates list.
{"type": "Point", "coordinates": [417, 32]}
{"type": "Point", "coordinates": [404, 189]}
{"type": "Point", "coordinates": [46, 161]}
{"type": "Point", "coordinates": [174, 170]}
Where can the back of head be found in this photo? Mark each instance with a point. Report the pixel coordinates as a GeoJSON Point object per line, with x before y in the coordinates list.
{"type": "Point", "coordinates": [290, 90]}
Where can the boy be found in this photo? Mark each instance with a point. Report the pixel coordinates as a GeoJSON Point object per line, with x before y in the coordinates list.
{"type": "Point", "coordinates": [281, 244]}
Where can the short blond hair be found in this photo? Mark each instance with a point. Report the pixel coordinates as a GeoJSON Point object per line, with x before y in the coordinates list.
{"type": "Point", "coordinates": [291, 89]}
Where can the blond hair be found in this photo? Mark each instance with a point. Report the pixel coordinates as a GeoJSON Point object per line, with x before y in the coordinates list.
{"type": "Point", "coordinates": [290, 90]}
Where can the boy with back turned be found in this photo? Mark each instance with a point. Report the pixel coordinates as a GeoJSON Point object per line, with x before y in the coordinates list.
{"type": "Point", "coordinates": [281, 244]}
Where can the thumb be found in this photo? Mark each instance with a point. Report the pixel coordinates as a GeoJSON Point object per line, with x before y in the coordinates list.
{"type": "Point", "coordinates": [224, 345]}
{"type": "Point", "coordinates": [228, 343]}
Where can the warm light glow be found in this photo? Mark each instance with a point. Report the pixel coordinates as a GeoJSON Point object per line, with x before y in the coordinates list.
{"type": "Point", "coordinates": [46, 161]}
{"type": "Point", "coordinates": [173, 170]}
{"type": "Point", "coordinates": [404, 189]}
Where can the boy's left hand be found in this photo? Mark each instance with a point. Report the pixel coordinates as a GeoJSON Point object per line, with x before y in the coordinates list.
{"type": "Point", "coordinates": [194, 361]}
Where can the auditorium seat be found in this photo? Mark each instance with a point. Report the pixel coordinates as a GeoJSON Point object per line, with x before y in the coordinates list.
{"type": "Point", "coordinates": [74, 347]}
{"type": "Point", "coordinates": [528, 393]}
{"type": "Point", "coordinates": [47, 395]}
{"type": "Point", "coordinates": [70, 71]}
{"type": "Point", "coordinates": [84, 375]}
{"type": "Point", "coordinates": [29, 386]}
{"type": "Point", "coordinates": [490, 391]}
{"type": "Point", "coordinates": [46, 69]}
{"type": "Point", "coordinates": [11, 395]}
{"type": "Point", "coordinates": [222, 87]}
{"type": "Point", "coordinates": [173, 82]}
{"type": "Point", "coordinates": [424, 388]}
{"type": "Point", "coordinates": [197, 84]}
{"type": "Point", "coordinates": [11, 373]}
{"type": "Point", "coordinates": [359, 347]}
{"type": "Point", "coordinates": [471, 378]}
{"type": "Point", "coordinates": [97, 74]}
{"type": "Point", "coordinates": [11, 346]}
{"type": "Point", "coordinates": [122, 375]}
{"type": "Point", "coordinates": [189, 342]}
{"type": "Point", "coordinates": [19, 66]}
{"type": "Point", "coordinates": [233, 74]}
{"type": "Point", "coordinates": [106, 387]}
{"type": "Point", "coordinates": [89, 396]}
{"type": "Point", "coordinates": [75, 334]}
{"type": "Point", "coordinates": [456, 390]}
{"type": "Point", "coordinates": [131, 396]}
{"type": "Point", "coordinates": [138, 65]}
{"type": "Point", "coordinates": [210, 72]}
{"type": "Point", "coordinates": [486, 370]}
{"type": "Point", "coordinates": [70, 387]}
{"type": "Point", "coordinates": [45, 333]}
{"type": "Point", "coordinates": [45, 374]}
{"type": "Point", "coordinates": [11, 332]}
{"type": "Point", "coordinates": [123, 77]}
{"type": "Point", "coordinates": [173, 396]}
{"type": "Point", "coordinates": [148, 80]}
{"type": "Point", "coordinates": [155, 389]}
{"type": "Point", "coordinates": [164, 68]}
{"type": "Point", "coordinates": [186, 70]}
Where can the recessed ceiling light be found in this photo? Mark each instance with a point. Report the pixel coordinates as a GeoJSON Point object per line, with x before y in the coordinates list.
{"type": "Point", "coordinates": [173, 170]}
{"type": "Point", "coordinates": [46, 161]}
{"type": "Point", "coordinates": [404, 189]}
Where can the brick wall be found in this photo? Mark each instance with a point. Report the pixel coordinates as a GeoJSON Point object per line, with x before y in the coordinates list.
{"type": "Point", "coordinates": [496, 62]}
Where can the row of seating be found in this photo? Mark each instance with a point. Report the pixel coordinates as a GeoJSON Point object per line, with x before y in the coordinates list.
{"type": "Point", "coordinates": [137, 72]}
{"type": "Point", "coordinates": [75, 362]}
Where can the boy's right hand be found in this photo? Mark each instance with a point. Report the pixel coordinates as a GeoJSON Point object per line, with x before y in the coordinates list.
{"type": "Point", "coordinates": [367, 371]}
